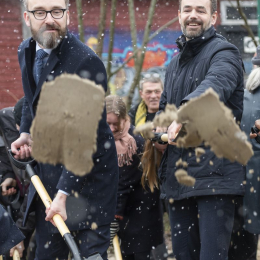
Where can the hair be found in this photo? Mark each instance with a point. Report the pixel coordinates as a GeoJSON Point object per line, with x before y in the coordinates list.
{"type": "Point", "coordinates": [25, 2]}
{"type": "Point", "coordinates": [152, 79]}
{"type": "Point", "coordinates": [116, 105]}
{"type": "Point", "coordinates": [214, 5]}
{"type": "Point", "coordinates": [150, 162]}
{"type": "Point", "coordinates": [253, 81]}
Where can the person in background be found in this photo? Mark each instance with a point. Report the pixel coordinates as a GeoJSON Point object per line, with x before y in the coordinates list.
{"type": "Point", "coordinates": [10, 235]}
{"type": "Point", "coordinates": [151, 87]}
{"type": "Point", "coordinates": [29, 228]}
{"type": "Point", "coordinates": [247, 229]}
{"type": "Point", "coordinates": [138, 209]}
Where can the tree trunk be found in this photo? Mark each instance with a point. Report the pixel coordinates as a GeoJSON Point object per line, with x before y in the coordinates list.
{"type": "Point", "coordinates": [80, 21]}
{"type": "Point", "coordinates": [131, 10]}
{"type": "Point", "coordinates": [140, 58]}
{"type": "Point", "coordinates": [111, 37]}
{"type": "Point", "coordinates": [101, 27]}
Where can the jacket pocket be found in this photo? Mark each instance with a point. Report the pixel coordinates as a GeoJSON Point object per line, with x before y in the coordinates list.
{"type": "Point", "coordinates": [208, 165]}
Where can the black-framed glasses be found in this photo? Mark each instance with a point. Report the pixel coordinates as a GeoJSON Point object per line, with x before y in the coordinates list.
{"type": "Point", "coordinates": [42, 14]}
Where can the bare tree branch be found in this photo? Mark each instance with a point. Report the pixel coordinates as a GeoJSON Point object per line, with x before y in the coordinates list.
{"type": "Point", "coordinates": [10, 93]}
{"type": "Point", "coordinates": [133, 29]}
{"type": "Point", "coordinates": [101, 27]}
{"type": "Point", "coordinates": [140, 59]}
{"type": "Point", "coordinates": [111, 35]}
{"type": "Point", "coordinates": [111, 38]}
{"type": "Point", "coordinates": [246, 25]}
{"type": "Point", "coordinates": [80, 21]}
{"type": "Point", "coordinates": [136, 51]}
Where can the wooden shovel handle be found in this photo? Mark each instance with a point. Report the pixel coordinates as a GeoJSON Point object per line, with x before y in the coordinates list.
{"type": "Point", "coordinates": [59, 222]}
{"type": "Point", "coordinates": [16, 255]}
{"type": "Point", "coordinates": [117, 250]}
{"type": "Point", "coordinates": [164, 138]}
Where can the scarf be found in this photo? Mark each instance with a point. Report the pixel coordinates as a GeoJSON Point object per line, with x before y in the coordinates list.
{"type": "Point", "coordinates": [125, 146]}
{"type": "Point", "coordinates": [141, 113]}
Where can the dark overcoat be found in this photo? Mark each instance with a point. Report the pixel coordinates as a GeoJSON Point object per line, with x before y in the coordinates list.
{"type": "Point", "coordinates": [97, 190]}
{"type": "Point", "coordinates": [252, 199]}
{"type": "Point", "coordinates": [141, 228]}
{"type": "Point", "coordinates": [203, 62]}
{"type": "Point", "coordinates": [10, 235]}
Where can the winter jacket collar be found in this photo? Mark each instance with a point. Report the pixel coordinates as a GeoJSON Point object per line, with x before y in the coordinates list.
{"type": "Point", "coordinates": [192, 47]}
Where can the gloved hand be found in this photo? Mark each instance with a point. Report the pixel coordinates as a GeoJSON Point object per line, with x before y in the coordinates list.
{"type": "Point", "coordinates": [114, 228]}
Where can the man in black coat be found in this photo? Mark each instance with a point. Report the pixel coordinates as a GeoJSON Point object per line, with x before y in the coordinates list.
{"type": "Point", "coordinates": [50, 52]}
{"type": "Point", "coordinates": [202, 216]}
{"type": "Point", "coordinates": [10, 235]}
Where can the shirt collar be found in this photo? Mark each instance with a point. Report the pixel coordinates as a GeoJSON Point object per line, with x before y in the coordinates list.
{"type": "Point", "coordinates": [46, 50]}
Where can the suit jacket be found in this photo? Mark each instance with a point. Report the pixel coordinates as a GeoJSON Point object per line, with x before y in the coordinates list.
{"type": "Point", "coordinates": [97, 190]}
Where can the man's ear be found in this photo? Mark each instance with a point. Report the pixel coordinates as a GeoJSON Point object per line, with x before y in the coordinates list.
{"type": "Point", "coordinates": [214, 17]}
{"type": "Point", "coordinates": [179, 15]}
{"type": "Point", "coordinates": [141, 93]}
{"type": "Point", "coordinates": [26, 18]}
{"type": "Point", "coordinates": [68, 17]}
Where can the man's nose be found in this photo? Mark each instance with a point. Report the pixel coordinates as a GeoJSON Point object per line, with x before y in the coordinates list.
{"type": "Point", "coordinates": [153, 95]}
{"type": "Point", "coordinates": [49, 18]}
{"type": "Point", "coordinates": [193, 14]}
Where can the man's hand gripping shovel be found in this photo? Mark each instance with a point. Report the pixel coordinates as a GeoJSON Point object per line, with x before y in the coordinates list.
{"type": "Point", "coordinates": [60, 224]}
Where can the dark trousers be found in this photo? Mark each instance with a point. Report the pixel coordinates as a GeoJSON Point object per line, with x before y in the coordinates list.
{"type": "Point", "coordinates": [138, 256]}
{"type": "Point", "coordinates": [243, 243]}
{"type": "Point", "coordinates": [201, 227]}
{"type": "Point", "coordinates": [52, 246]}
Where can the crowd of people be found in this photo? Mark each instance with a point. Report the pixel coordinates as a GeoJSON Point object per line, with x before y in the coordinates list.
{"type": "Point", "coordinates": [132, 183]}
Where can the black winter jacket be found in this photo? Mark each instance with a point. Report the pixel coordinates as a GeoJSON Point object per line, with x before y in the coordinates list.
{"type": "Point", "coordinates": [141, 228]}
{"type": "Point", "coordinates": [203, 62]}
{"type": "Point", "coordinates": [132, 112]}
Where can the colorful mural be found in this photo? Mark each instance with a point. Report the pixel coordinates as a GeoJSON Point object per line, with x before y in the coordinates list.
{"type": "Point", "coordinates": [158, 55]}
{"type": "Point", "coordinates": [159, 52]}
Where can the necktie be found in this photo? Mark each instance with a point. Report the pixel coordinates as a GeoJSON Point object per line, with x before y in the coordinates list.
{"type": "Point", "coordinates": [39, 64]}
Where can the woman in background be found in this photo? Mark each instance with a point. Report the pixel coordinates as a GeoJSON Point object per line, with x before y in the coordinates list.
{"type": "Point", "coordinates": [138, 209]}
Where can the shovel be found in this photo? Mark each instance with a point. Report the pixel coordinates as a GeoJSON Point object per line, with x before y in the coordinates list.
{"type": "Point", "coordinates": [16, 255]}
{"type": "Point", "coordinates": [163, 137]}
{"type": "Point", "coordinates": [57, 219]}
{"type": "Point", "coordinates": [117, 250]}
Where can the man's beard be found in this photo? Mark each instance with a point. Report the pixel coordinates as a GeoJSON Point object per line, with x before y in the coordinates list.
{"type": "Point", "coordinates": [196, 33]}
{"type": "Point", "coordinates": [49, 40]}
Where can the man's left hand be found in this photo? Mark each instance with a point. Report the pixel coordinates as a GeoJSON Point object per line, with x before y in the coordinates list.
{"type": "Point", "coordinates": [172, 132]}
{"type": "Point", "coordinates": [58, 206]}
{"type": "Point", "coordinates": [7, 183]}
{"type": "Point", "coordinates": [160, 147]}
{"type": "Point", "coordinates": [19, 247]}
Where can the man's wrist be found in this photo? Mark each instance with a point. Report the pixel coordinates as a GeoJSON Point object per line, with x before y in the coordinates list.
{"type": "Point", "coordinates": [25, 135]}
{"type": "Point", "coordinates": [61, 196]}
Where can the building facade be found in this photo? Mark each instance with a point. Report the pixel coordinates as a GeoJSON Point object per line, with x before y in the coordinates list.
{"type": "Point", "coordinates": [160, 49]}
